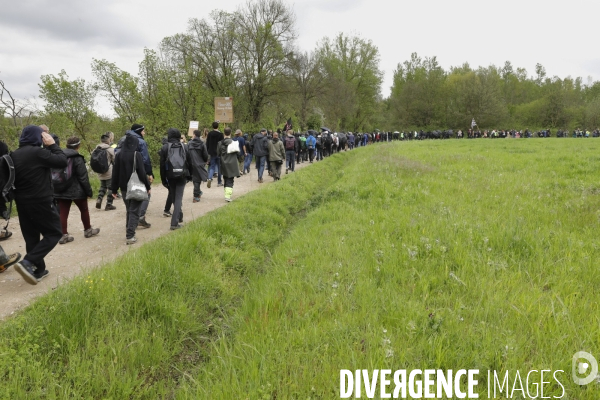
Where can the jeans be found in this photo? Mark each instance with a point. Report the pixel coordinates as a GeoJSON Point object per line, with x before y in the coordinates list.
{"type": "Point", "coordinates": [260, 164]}
{"type": "Point", "coordinates": [37, 219]}
{"type": "Point", "coordinates": [105, 189]}
{"type": "Point", "coordinates": [247, 162]}
{"type": "Point", "coordinates": [132, 217]}
{"type": "Point", "coordinates": [290, 158]}
{"type": "Point", "coordinates": [319, 154]}
{"type": "Point", "coordinates": [215, 166]}
{"type": "Point", "coordinates": [144, 206]}
{"type": "Point", "coordinates": [176, 187]}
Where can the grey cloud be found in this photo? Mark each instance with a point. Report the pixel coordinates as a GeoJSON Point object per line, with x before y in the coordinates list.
{"type": "Point", "coordinates": [86, 21]}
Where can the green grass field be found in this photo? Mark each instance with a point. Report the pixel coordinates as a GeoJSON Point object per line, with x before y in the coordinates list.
{"type": "Point", "coordinates": [445, 255]}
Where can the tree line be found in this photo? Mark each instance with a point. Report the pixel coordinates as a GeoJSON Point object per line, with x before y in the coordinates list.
{"type": "Point", "coordinates": [251, 55]}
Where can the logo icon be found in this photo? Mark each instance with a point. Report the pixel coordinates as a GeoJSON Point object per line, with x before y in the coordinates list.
{"type": "Point", "coordinates": [581, 368]}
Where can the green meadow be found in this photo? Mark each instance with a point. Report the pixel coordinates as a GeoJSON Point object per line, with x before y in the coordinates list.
{"type": "Point", "coordinates": [458, 254]}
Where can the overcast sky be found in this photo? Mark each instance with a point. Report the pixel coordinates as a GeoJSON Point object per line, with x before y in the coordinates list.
{"type": "Point", "coordinates": [43, 36]}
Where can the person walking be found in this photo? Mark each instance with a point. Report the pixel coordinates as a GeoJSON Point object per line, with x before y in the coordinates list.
{"type": "Point", "coordinates": [248, 156]}
{"type": "Point", "coordinates": [277, 155]}
{"type": "Point", "coordinates": [212, 140]}
{"type": "Point", "coordinates": [122, 171]}
{"type": "Point", "coordinates": [4, 234]}
{"type": "Point", "coordinates": [138, 132]}
{"type": "Point", "coordinates": [175, 172]}
{"type": "Point", "coordinates": [291, 148]}
{"type": "Point", "coordinates": [105, 153]}
{"type": "Point", "coordinates": [229, 162]}
{"type": "Point", "coordinates": [34, 199]}
{"type": "Point", "coordinates": [242, 154]}
{"type": "Point", "coordinates": [311, 144]}
{"type": "Point", "coordinates": [260, 149]}
{"type": "Point", "coordinates": [198, 156]}
{"type": "Point", "coordinates": [7, 260]}
{"type": "Point", "coordinates": [77, 191]}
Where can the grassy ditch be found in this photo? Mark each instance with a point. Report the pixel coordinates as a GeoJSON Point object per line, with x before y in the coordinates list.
{"type": "Point", "coordinates": [136, 327]}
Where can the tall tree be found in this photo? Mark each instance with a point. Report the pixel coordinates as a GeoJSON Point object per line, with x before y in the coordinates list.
{"type": "Point", "coordinates": [120, 87]}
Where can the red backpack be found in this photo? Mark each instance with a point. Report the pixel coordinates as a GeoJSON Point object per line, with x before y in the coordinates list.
{"type": "Point", "coordinates": [290, 143]}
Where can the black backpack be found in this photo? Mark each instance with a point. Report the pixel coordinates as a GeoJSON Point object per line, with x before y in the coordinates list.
{"type": "Point", "coordinates": [7, 183]}
{"type": "Point", "coordinates": [290, 143]}
{"type": "Point", "coordinates": [62, 178]}
{"type": "Point", "coordinates": [328, 139]}
{"type": "Point", "coordinates": [99, 160]}
{"type": "Point", "coordinates": [176, 165]}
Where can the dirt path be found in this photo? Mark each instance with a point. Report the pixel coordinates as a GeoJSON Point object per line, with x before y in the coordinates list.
{"type": "Point", "coordinates": [72, 259]}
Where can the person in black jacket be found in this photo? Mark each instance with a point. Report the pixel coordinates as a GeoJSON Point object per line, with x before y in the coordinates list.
{"type": "Point", "coordinates": [5, 234]}
{"type": "Point", "coordinates": [198, 158]}
{"type": "Point", "coordinates": [122, 170]}
{"type": "Point", "coordinates": [77, 192]}
{"type": "Point", "coordinates": [213, 138]}
{"type": "Point", "coordinates": [175, 184]}
{"type": "Point", "coordinates": [34, 199]}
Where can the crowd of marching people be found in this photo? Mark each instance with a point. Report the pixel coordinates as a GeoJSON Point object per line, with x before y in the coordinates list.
{"type": "Point", "coordinates": [44, 180]}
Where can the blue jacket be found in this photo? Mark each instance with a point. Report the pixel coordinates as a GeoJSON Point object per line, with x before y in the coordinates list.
{"type": "Point", "coordinates": [311, 141]}
{"type": "Point", "coordinates": [143, 149]}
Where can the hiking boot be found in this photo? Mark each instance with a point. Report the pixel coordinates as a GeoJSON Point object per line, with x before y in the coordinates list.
{"type": "Point", "coordinates": [132, 240]}
{"type": "Point", "coordinates": [66, 238]}
{"type": "Point", "coordinates": [260, 180]}
{"type": "Point", "coordinates": [119, 195]}
{"type": "Point", "coordinates": [26, 270]}
{"type": "Point", "coordinates": [5, 235]}
{"type": "Point", "coordinates": [88, 233]}
{"type": "Point", "coordinates": [286, 171]}
{"type": "Point", "coordinates": [208, 183]}
{"type": "Point", "coordinates": [11, 259]}
{"type": "Point", "coordinates": [99, 204]}
{"type": "Point", "coordinates": [109, 207]}
{"type": "Point", "coordinates": [196, 200]}
{"type": "Point", "coordinates": [175, 227]}
{"type": "Point", "coordinates": [167, 214]}
{"type": "Point", "coordinates": [41, 275]}
{"type": "Point", "coordinates": [142, 222]}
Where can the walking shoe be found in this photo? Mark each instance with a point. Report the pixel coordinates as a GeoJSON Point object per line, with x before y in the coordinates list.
{"type": "Point", "coordinates": [167, 214]}
{"type": "Point", "coordinates": [220, 184]}
{"type": "Point", "coordinates": [119, 195]}
{"type": "Point", "coordinates": [88, 233]}
{"type": "Point", "coordinates": [25, 269]}
{"type": "Point", "coordinates": [228, 199]}
{"type": "Point", "coordinates": [178, 226]}
{"type": "Point", "coordinates": [142, 222]}
{"type": "Point", "coordinates": [41, 275]}
{"type": "Point", "coordinates": [286, 171]}
{"type": "Point", "coordinates": [66, 238]}
{"type": "Point", "coordinates": [99, 204]}
{"type": "Point", "coordinates": [5, 235]}
{"type": "Point", "coordinates": [12, 259]}
{"type": "Point", "coordinates": [109, 207]}
{"type": "Point", "coordinates": [196, 200]}
{"type": "Point", "coordinates": [131, 240]}
{"type": "Point", "coordinates": [260, 180]}
{"type": "Point", "coordinates": [208, 183]}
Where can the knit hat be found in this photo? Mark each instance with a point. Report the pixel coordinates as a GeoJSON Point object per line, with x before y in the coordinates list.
{"type": "Point", "coordinates": [137, 128]}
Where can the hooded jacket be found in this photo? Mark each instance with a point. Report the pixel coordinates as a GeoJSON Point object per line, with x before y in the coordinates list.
{"type": "Point", "coordinates": [276, 150]}
{"type": "Point", "coordinates": [212, 140]}
{"type": "Point", "coordinates": [229, 162]}
{"type": "Point", "coordinates": [143, 150]}
{"type": "Point", "coordinates": [198, 157]}
{"type": "Point", "coordinates": [311, 142]}
{"type": "Point", "coordinates": [33, 180]}
{"type": "Point", "coordinates": [123, 166]}
{"type": "Point", "coordinates": [80, 188]}
{"type": "Point", "coordinates": [260, 146]}
{"type": "Point", "coordinates": [174, 139]}
{"type": "Point", "coordinates": [110, 154]}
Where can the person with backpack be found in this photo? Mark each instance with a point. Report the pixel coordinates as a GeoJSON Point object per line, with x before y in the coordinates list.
{"type": "Point", "coordinates": [212, 140]}
{"type": "Point", "coordinates": [260, 149]}
{"type": "Point", "coordinates": [138, 132]}
{"type": "Point", "coordinates": [101, 162]}
{"type": "Point", "coordinates": [311, 144]}
{"type": "Point", "coordinates": [72, 185]}
{"type": "Point", "coordinates": [38, 216]}
{"type": "Point", "coordinates": [276, 156]}
{"type": "Point", "coordinates": [198, 156]}
{"type": "Point", "coordinates": [242, 154]}
{"type": "Point", "coordinates": [291, 148]}
{"type": "Point", "coordinates": [248, 156]}
{"type": "Point", "coordinates": [301, 148]}
{"type": "Point", "coordinates": [7, 260]}
{"type": "Point", "coordinates": [228, 150]}
{"type": "Point", "coordinates": [122, 170]}
{"type": "Point", "coordinates": [175, 172]}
